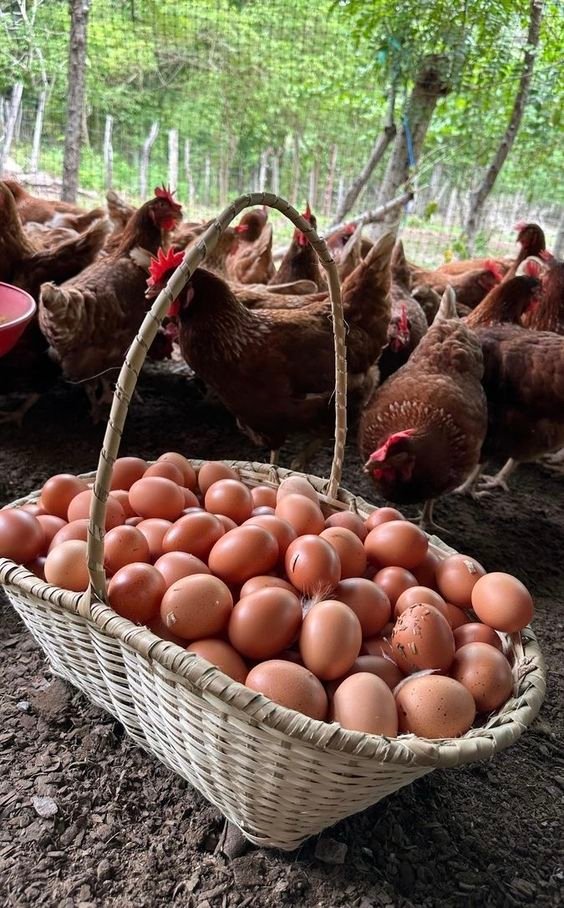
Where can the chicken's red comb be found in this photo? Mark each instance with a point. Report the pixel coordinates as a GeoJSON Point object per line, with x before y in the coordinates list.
{"type": "Point", "coordinates": [493, 267]}
{"type": "Point", "coordinates": [241, 228]}
{"type": "Point", "coordinates": [163, 192]}
{"type": "Point", "coordinates": [520, 225]}
{"type": "Point", "coordinates": [532, 268]}
{"type": "Point", "coordinates": [307, 213]}
{"type": "Point", "coordinates": [382, 452]}
{"type": "Point", "coordinates": [163, 262]}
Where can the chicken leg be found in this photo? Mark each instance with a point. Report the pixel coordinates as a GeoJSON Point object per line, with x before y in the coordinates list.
{"type": "Point", "coordinates": [468, 487]}
{"type": "Point", "coordinates": [16, 416]}
{"type": "Point", "coordinates": [499, 480]}
{"type": "Point", "coordinates": [425, 519]}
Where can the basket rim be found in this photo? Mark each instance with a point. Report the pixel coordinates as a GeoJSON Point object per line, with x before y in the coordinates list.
{"type": "Point", "coordinates": [499, 731]}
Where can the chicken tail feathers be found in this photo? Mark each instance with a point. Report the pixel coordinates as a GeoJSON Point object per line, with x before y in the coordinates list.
{"type": "Point", "coordinates": [447, 308]}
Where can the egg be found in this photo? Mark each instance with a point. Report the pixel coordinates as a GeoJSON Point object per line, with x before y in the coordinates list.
{"type": "Point", "coordinates": [349, 548]}
{"type": "Point", "coordinates": [350, 521]}
{"type": "Point", "coordinates": [265, 581]}
{"type": "Point", "coordinates": [231, 498]}
{"type": "Point", "coordinates": [424, 573]}
{"type": "Point", "coordinates": [121, 496]}
{"type": "Point", "coordinates": [312, 565]}
{"type": "Point", "coordinates": [434, 706]}
{"type": "Point", "coordinates": [212, 472]}
{"type": "Point", "coordinates": [22, 538]}
{"type": "Point", "coordinates": [195, 533]}
{"type": "Point", "coordinates": [154, 530]}
{"type": "Point", "coordinates": [80, 508]}
{"type": "Point", "coordinates": [503, 602]}
{"type": "Point", "coordinates": [135, 592]}
{"type": "Point", "coordinates": [368, 601]}
{"type": "Point", "coordinates": [188, 472]}
{"type": "Point", "coordinates": [197, 606]}
{"type": "Point", "coordinates": [282, 531]}
{"type": "Point", "coordinates": [134, 521]}
{"type": "Point", "coordinates": [456, 577]}
{"type": "Point", "coordinates": [384, 668]}
{"type": "Point", "coordinates": [34, 509]}
{"type": "Point", "coordinates": [486, 673]}
{"type": "Point", "coordinates": [126, 471]}
{"type": "Point", "coordinates": [289, 685]}
{"type": "Point", "coordinates": [422, 638]}
{"type": "Point", "coordinates": [456, 616]}
{"type": "Point", "coordinates": [476, 633]}
{"type": "Point", "coordinates": [190, 501]}
{"type": "Point", "coordinates": [157, 627]}
{"type": "Point", "coordinates": [125, 545]}
{"type": "Point", "coordinates": [262, 510]}
{"type": "Point", "coordinates": [50, 526]}
{"type": "Point", "coordinates": [264, 623]}
{"type": "Point", "coordinates": [394, 581]}
{"type": "Point", "coordinates": [157, 497]}
{"type": "Point", "coordinates": [222, 655]}
{"type": "Point", "coordinates": [300, 512]}
{"type": "Point", "coordinates": [243, 553]}
{"type": "Point", "coordinates": [78, 529]}
{"type": "Point", "coordinates": [226, 522]}
{"type": "Point", "coordinates": [167, 470]}
{"type": "Point", "coordinates": [59, 491]}
{"type": "Point", "coordinates": [37, 567]}
{"type": "Point", "coordinates": [263, 496]}
{"type": "Point", "coordinates": [174, 565]}
{"type": "Point", "coordinates": [396, 543]}
{"type": "Point", "coordinates": [364, 702]}
{"type": "Point", "coordinates": [420, 595]}
{"type": "Point", "coordinates": [378, 646]}
{"type": "Point", "coordinates": [297, 485]}
{"type": "Point", "coordinates": [330, 639]}
{"type": "Point", "coordinates": [65, 566]}
{"type": "Point", "coordinates": [381, 515]}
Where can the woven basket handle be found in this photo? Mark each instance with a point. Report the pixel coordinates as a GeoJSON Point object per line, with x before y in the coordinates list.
{"type": "Point", "coordinates": [138, 351]}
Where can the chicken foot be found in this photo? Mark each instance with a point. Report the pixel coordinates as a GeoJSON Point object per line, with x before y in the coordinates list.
{"type": "Point", "coordinates": [16, 416]}
{"type": "Point", "coordinates": [425, 519]}
{"type": "Point", "coordinates": [468, 487]}
{"type": "Point", "coordinates": [301, 461]}
{"type": "Point", "coordinates": [499, 480]}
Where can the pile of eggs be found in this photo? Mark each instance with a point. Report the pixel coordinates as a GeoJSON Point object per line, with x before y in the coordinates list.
{"type": "Point", "coordinates": [342, 619]}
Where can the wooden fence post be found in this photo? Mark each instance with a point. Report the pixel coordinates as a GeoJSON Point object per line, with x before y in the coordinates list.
{"type": "Point", "coordinates": [188, 174]}
{"type": "Point", "coordinates": [75, 107]}
{"type": "Point", "coordinates": [144, 162]}
{"type": "Point", "coordinates": [173, 159]}
{"type": "Point", "coordinates": [37, 131]}
{"type": "Point", "coordinates": [11, 120]}
{"type": "Point", "coordinates": [108, 152]}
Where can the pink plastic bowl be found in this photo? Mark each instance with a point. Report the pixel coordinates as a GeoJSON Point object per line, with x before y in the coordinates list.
{"type": "Point", "coordinates": [18, 307]}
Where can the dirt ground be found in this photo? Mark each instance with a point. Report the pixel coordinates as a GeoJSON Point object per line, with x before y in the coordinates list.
{"type": "Point", "coordinates": [119, 829]}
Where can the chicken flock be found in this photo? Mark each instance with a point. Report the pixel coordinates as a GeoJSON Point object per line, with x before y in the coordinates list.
{"type": "Point", "coordinates": [446, 369]}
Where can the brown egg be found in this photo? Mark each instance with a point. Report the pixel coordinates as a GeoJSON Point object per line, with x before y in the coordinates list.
{"type": "Point", "coordinates": [476, 633]}
{"type": "Point", "coordinates": [330, 639]}
{"type": "Point", "coordinates": [154, 530]}
{"type": "Point", "coordinates": [50, 526]}
{"type": "Point", "coordinates": [394, 581]}
{"type": "Point", "coordinates": [368, 601]}
{"type": "Point", "coordinates": [65, 566]}
{"type": "Point", "coordinates": [231, 498]}
{"type": "Point", "coordinates": [312, 565]}
{"type": "Point", "coordinates": [243, 553]}
{"type": "Point", "coordinates": [34, 509]}
{"type": "Point", "coordinates": [167, 470]}
{"type": "Point", "coordinates": [188, 472]}
{"type": "Point", "coordinates": [297, 485]}
{"type": "Point", "coordinates": [80, 508]}
{"type": "Point", "coordinates": [157, 627]}
{"type": "Point", "coordinates": [37, 567]}
{"type": "Point", "coordinates": [456, 577]}
{"type": "Point", "coordinates": [121, 496]}
{"type": "Point", "coordinates": [223, 656]}
{"type": "Point", "coordinates": [384, 668]}
{"type": "Point", "coordinates": [289, 685]}
{"type": "Point", "coordinates": [424, 573]}
{"type": "Point", "coordinates": [226, 522]}
{"type": "Point", "coordinates": [78, 529]}
{"type": "Point", "coordinates": [503, 602]}
{"type": "Point", "coordinates": [125, 545]}
{"type": "Point", "coordinates": [420, 595]}
{"type": "Point", "coordinates": [190, 501]}
{"type": "Point", "coordinates": [197, 606]}
{"type": "Point", "coordinates": [380, 516]}
{"type": "Point", "coordinates": [282, 531]}
{"type": "Point", "coordinates": [126, 471]}
{"type": "Point", "coordinates": [263, 496]}
{"type": "Point", "coordinates": [396, 543]}
{"type": "Point", "coordinates": [212, 472]}
{"type": "Point", "coordinates": [350, 521]}
{"type": "Point", "coordinates": [422, 638]}
{"type": "Point", "coordinates": [135, 592]}
{"type": "Point", "coordinates": [195, 533]}
{"type": "Point", "coordinates": [174, 565]}
{"type": "Point", "coordinates": [59, 491]}
{"type": "Point", "coordinates": [456, 616]}
{"type": "Point", "coordinates": [300, 512]}
{"type": "Point", "coordinates": [486, 673]}
{"type": "Point", "coordinates": [265, 582]}
{"type": "Point", "coordinates": [262, 510]}
{"type": "Point", "coordinates": [433, 706]}
{"type": "Point", "coordinates": [349, 548]}
{"type": "Point", "coordinates": [378, 646]}
{"type": "Point", "coordinates": [134, 521]}
{"type": "Point", "coordinates": [22, 538]}
{"type": "Point", "coordinates": [364, 702]}
{"type": "Point", "coordinates": [265, 623]}
{"type": "Point", "coordinates": [157, 497]}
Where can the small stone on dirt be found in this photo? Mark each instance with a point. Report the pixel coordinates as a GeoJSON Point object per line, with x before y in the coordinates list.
{"type": "Point", "coordinates": [44, 806]}
{"type": "Point", "coordinates": [330, 851]}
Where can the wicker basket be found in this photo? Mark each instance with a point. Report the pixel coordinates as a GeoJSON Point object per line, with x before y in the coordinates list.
{"type": "Point", "coordinates": [278, 775]}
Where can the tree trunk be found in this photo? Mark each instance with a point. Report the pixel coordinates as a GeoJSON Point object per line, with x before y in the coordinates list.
{"type": "Point", "coordinates": [559, 241]}
{"type": "Point", "coordinates": [11, 120]}
{"type": "Point", "coordinates": [380, 147]}
{"type": "Point", "coordinates": [328, 198]}
{"type": "Point", "coordinates": [173, 159]}
{"type": "Point", "coordinates": [37, 131]}
{"type": "Point", "coordinates": [506, 144]}
{"type": "Point", "coordinates": [313, 180]}
{"type": "Point", "coordinates": [263, 169]}
{"type": "Point", "coordinates": [375, 215]}
{"type": "Point", "coordinates": [207, 181]}
{"type": "Point", "coordinates": [275, 167]}
{"type": "Point", "coordinates": [144, 163]}
{"type": "Point", "coordinates": [188, 174]}
{"type": "Point", "coordinates": [295, 170]}
{"type": "Point", "coordinates": [108, 153]}
{"type": "Point", "coordinates": [79, 10]}
{"type": "Point", "coordinates": [432, 82]}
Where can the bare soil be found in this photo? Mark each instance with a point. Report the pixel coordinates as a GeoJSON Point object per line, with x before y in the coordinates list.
{"type": "Point", "coordinates": [88, 819]}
